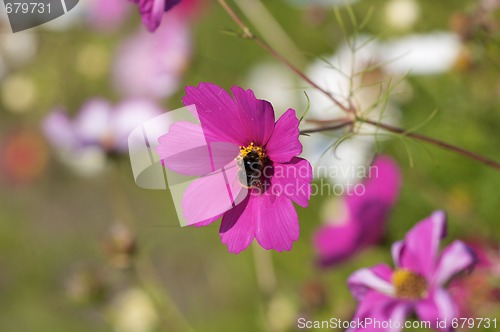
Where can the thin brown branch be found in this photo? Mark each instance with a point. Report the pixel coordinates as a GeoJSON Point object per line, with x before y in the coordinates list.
{"type": "Point", "coordinates": [326, 128]}
{"type": "Point", "coordinates": [247, 33]}
{"type": "Point", "coordinates": [443, 145]}
{"type": "Point", "coordinates": [436, 142]}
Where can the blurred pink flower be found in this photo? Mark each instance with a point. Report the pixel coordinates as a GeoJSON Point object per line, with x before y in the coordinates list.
{"type": "Point", "coordinates": [98, 123]}
{"type": "Point", "coordinates": [478, 294]}
{"type": "Point", "coordinates": [417, 284]}
{"type": "Point", "coordinates": [152, 11]}
{"type": "Point", "coordinates": [365, 216]}
{"type": "Point", "coordinates": [100, 130]}
{"type": "Point", "coordinates": [107, 14]}
{"type": "Point", "coordinates": [260, 166]}
{"type": "Point", "coordinates": [151, 65]}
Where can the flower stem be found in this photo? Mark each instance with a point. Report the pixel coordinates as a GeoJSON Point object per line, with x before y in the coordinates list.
{"type": "Point", "coordinates": [443, 145]}
{"type": "Point", "coordinates": [170, 315]}
{"type": "Point", "coordinates": [247, 34]}
{"type": "Point", "coordinates": [489, 162]}
{"type": "Point", "coordinates": [327, 128]}
{"type": "Point", "coordinates": [264, 268]}
{"type": "Point", "coordinates": [270, 30]}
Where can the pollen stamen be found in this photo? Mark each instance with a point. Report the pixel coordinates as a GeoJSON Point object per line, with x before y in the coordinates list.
{"type": "Point", "coordinates": [409, 285]}
{"type": "Point", "coordinates": [244, 151]}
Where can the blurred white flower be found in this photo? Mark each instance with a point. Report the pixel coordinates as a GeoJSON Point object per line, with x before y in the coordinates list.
{"type": "Point", "coordinates": [281, 313]}
{"type": "Point", "coordinates": [85, 162]}
{"type": "Point", "coordinates": [19, 48]}
{"type": "Point", "coordinates": [16, 49]}
{"type": "Point", "coordinates": [355, 77]}
{"type": "Point", "coordinates": [359, 74]}
{"type": "Point", "coordinates": [402, 14]}
{"type": "Point", "coordinates": [422, 54]}
{"type": "Point", "coordinates": [274, 82]}
{"type": "Point", "coordinates": [133, 311]}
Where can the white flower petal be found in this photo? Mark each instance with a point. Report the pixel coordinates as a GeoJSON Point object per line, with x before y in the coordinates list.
{"type": "Point", "coordinates": [422, 54]}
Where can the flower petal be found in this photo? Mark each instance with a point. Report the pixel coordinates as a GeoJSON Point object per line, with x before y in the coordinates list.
{"type": "Point", "coordinates": [376, 307]}
{"type": "Point", "coordinates": [58, 129]}
{"type": "Point", "coordinates": [277, 222]}
{"type": "Point", "coordinates": [371, 209]}
{"type": "Point", "coordinates": [127, 116]}
{"type": "Point", "coordinates": [455, 258]}
{"type": "Point", "coordinates": [421, 245]}
{"type": "Point", "coordinates": [212, 195]}
{"type": "Point", "coordinates": [257, 116]}
{"type": "Point", "coordinates": [207, 222]}
{"type": "Point", "coordinates": [284, 143]}
{"type": "Point", "coordinates": [171, 3]}
{"type": "Point", "coordinates": [438, 306]}
{"type": "Point", "coordinates": [272, 220]}
{"type": "Point", "coordinates": [376, 278]}
{"type": "Point", "coordinates": [335, 243]}
{"type": "Point", "coordinates": [363, 222]}
{"type": "Point", "coordinates": [186, 149]}
{"type": "Point", "coordinates": [216, 111]}
{"type": "Point", "coordinates": [92, 124]}
{"type": "Point", "coordinates": [293, 180]}
{"type": "Point", "coordinates": [152, 12]}
{"type": "Point", "coordinates": [237, 229]}
{"type": "Point", "coordinates": [381, 185]}
{"type": "Point", "coordinates": [396, 250]}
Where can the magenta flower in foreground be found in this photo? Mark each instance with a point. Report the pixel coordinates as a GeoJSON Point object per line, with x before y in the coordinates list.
{"type": "Point", "coordinates": [152, 11]}
{"type": "Point", "coordinates": [362, 221]}
{"type": "Point", "coordinates": [417, 283]}
{"type": "Point", "coordinates": [262, 174]}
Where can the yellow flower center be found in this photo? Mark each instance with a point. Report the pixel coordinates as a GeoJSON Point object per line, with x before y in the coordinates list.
{"type": "Point", "coordinates": [244, 151]}
{"type": "Point", "coordinates": [409, 285]}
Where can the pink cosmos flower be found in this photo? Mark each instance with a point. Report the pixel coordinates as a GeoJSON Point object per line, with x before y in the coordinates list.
{"type": "Point", "coordinates": [417, 283]}
{"type": "Point", "coordinates": [252, 177]}
{"type": "Point", "coordinates": [362, 222]}
{"type": "Point", "coordinates": [478, 294]}
{"type": "Point", "coordinates": [152, 11]}
{"type": "Point", "coordinates": [151, 65]}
